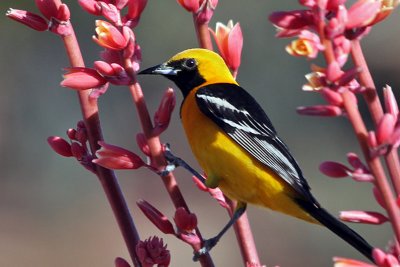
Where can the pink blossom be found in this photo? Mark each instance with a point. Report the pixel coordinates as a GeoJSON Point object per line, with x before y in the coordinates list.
{"type": "Point", "coordinates": [184, 220]}
{"type": "Point", "coordinates": [383, 259]}
{"type": "Point", "coordinates": [332, 97]}
{"type": "Point", "coordinates": [49, 8]}
{"type": "Point", "coordinates": [135, 9]}
{"type": "Point", "coordinates": [82, 78]}
{"type": "Point", "coordinates": [30, 19]}
{"type": "Point", "coordinates": [60, 146]}
{"type": "Point", "coordinates": [163, 114]}
{"type": "Point", "coordinates": [362, 13]}
{"type": "Point", "coordinates": [293, 20]}
{"type": "Point", "coordinates": [115, 157]}
{"type": "Point", "coordinates": [345, 262]}
{"type": "Point", "coordinates": [110, 37]}
{"type": "Point", "coordinates": [156, 217]}
{"type": "Point", "coordinates": [334, 169]}
{"type": "Point", "coordinates": [216, 193]}
{"type": "Point", "coordinates": [90, 6]}
{"type": "Point", "coordinates": [152, 252]}
{"type": "Point", "coordinates": [385, 128]}
{"type": "Point", "coordinates": [368, 217]}
{"type": "Point", "coordinates": [229, 39]}
{"type": "Point", "coordinates": [390, 101]}
{"type": "Point", "coordinates": [308, 44]}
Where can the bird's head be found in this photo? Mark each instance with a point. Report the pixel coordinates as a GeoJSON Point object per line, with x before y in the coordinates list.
{"type": "Point", "coordinates": [193, 68]}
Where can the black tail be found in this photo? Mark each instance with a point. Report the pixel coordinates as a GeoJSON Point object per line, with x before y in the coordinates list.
{"type": "Point", "coordinates": [337, 227]}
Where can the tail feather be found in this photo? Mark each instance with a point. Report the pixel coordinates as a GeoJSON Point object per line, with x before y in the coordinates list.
{"type": "Point", "coordinates": [336, 226]}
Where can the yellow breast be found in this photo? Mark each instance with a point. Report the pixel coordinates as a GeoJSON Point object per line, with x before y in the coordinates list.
{"type": "Point", "coordinates": [228, 166]}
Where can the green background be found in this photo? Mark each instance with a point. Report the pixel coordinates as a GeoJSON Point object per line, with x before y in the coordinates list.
{"type": "Point", "coordinates": [54, 213]}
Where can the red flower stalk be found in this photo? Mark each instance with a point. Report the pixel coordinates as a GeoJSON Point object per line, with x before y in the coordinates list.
{"type": "Point", "coordinates": [152, 252]}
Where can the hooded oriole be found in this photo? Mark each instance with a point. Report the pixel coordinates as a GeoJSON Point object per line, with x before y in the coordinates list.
{"type": "Point", "coordinates": [237, 146]}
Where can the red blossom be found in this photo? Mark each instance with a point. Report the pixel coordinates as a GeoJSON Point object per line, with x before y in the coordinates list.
{"type": "Point", "coordinates": [163, 114]}
{"type": "Point", "coordinates": [184, 220]}
{"type": "Point", "coordinates": [30, 19]}
{"type": "Point", "coordinates": [293, 20]}
{"type": "Point", "coordinates": [385, 128]}
{"type": "Point", "coordinates": [49, 8]}
{"type": "Point", "coordinates": [82, 78]}
{"type": "Point", "coordinates": [362, 13]}
{"type": "Point", "coordinates": [135, 9]}
{"type": "Point", "coordinates": [120, 262]}
{"type": "Point", "coordinates": [110, 37]}
{"type": "Point", "coordinates": [115, 157]}
{"type": "Point", "coordinates": [156, 217]}
{"type": "Point", "coordinates": [60, 146]}
{"type": "Point", "coordinates": [368, 217]}
{"type": "Point", "coordinates": [334, 169]}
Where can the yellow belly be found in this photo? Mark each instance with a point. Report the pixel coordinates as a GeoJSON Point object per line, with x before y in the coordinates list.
{"type": "Point", "coordinates": [228, 166]}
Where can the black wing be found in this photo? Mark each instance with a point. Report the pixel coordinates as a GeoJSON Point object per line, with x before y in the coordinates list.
{"type": "Point", "coordinates": [239, 115]}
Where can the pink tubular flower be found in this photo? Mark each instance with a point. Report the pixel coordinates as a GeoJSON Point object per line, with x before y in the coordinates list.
{"type": "Point", "coordinates": [385, 128]}
{"type": "Point", "coordinates": [203, 9]}
{"type": "Point", "coordinates": [358, 216]}
{"type": "Point", "coordinates": [156, 217]}
{"type": "Point", "coordinates": [135, 9]}
{"type": "Point", "coordinates": [190, 5]}
{"type": "Point", "coordinates": [390, 101]}
{"type": "Point", "coordinates": [229, 39]}
{"type": "Point", "coordinates": [162, 116]}
{"type": "Point", "coordinates": [114, 157]}
{"type": "Point", "coordinates": [334, 169]}
{"type": "Point", "coordinates": [90, 6]}
{"type": "Point", "coordinates": [307, 45]}
{"type": "Point", "coordinates": [345, 262]}
{"type": "Point", "coordinates": [30, 19]}
{"type": "Point", "coordinates": [49, 8]}
{"type": "Point", "coordinates": [383, 259]}
{"type": "Point", "coordinates": [152, 252]}
{"type": "Point", "coordinates": [82, 79]}
{"type": "Point", "coordinates": [184, 220]}
{"type": "Point", "coordinates": [60, 146]}
{"type": "Point", "coordinates": [362, 13]}
{"type": "Point", "coordinates": [293, 20]}
{"type": "Point", "coordinates": [110, 37]}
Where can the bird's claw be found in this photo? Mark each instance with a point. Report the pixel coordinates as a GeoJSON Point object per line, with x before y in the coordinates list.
{"type": "Point", "coordinates": [172, 161]}
{"type": "Point", "coordinates": [207, 246]}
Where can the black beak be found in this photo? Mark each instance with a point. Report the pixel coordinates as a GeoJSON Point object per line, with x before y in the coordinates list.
{"type": "Point", "coordinates": [162, 69]}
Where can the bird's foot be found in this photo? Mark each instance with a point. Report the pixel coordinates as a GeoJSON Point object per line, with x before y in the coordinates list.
{"type": "Point", "coordinates": [207, 246]}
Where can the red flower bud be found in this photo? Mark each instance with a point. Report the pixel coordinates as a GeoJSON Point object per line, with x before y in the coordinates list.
{"type": "Point", "coordinates": [60, 146]}
{"type": "Point", "coordinates": [30, 19]}
{"type": "Point", "coordinates": [82, 78]}
{"type": "Point", "coordinates": [120, 262]}
{"type": "Point", "coordinates": [334, 169]}
{"type": "Point", "coordinates": [294, 20]}
{"type": "Point", "coordinates": [156, 217]}
{"type": "Point", "coordinates": [49, 8]}
{"type": "Point", "coordinates": [114, 157]}
{"type": "Point", "coordinates": [385, 128]}
{"type": "Point", "coordinates": [368, 217]}
{"type": "Point", "coordinates": [163, 114]}
{"type": "Point", "coordinates": [362, 13]}
{"type": "Point", "coordinates": [184, 220]}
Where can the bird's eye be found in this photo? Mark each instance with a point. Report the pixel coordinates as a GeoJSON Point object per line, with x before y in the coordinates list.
{"type": "Point", "coordinates": [189, 64]}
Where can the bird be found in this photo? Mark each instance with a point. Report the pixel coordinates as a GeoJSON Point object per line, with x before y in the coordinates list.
{"type": "Point", "coordinates": [238, 148]}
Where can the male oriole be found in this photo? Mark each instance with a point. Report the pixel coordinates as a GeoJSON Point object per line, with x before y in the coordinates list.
{"type": "Point", "coordinates": [237, 146]}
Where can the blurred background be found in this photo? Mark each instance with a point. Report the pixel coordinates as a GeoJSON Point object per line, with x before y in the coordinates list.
{"type": "Point", "coordinates": [54, 213]}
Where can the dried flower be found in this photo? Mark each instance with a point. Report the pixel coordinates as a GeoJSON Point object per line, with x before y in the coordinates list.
{"type": "Point", "coordinates": [152, 251]}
